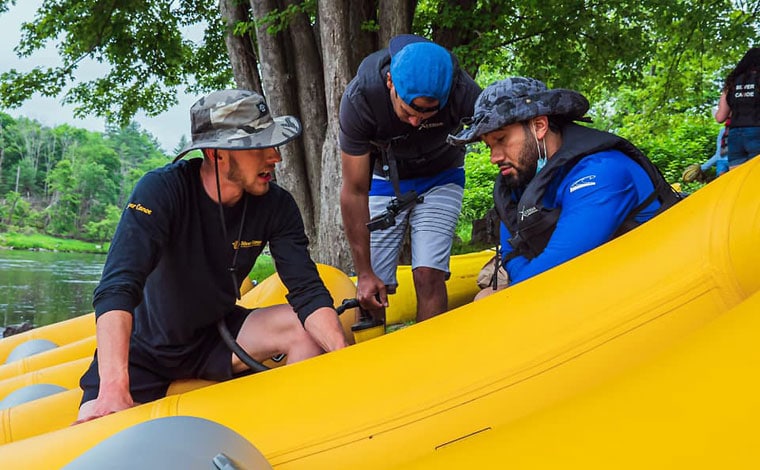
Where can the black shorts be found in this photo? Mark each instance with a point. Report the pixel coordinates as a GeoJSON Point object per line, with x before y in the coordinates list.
{"type": "Point", "coordinates": [149, 379]}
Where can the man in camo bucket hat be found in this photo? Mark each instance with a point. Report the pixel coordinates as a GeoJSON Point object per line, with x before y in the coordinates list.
{"type": "Point", "coordinates": [563, 188]}
{"type": "Point", "coordinates": [237, 119]}
{"type": "Point", "coordinates": [191, 231]}
{"type": "Point", "coordinates": [519, 99]}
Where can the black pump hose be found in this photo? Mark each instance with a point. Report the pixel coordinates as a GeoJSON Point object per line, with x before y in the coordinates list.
{"type": "Point", "coordinates": [224, 332]}
{"type": "Point", "coordinates": [244, 357]}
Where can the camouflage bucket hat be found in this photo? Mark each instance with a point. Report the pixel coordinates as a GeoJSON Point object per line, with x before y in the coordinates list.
{"type": "Point", "coordinates": [237, 120]}
{"type": "Point", "coordinates": [518, 99]}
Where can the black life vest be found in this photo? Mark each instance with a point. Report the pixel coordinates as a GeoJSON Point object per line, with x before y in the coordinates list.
{"type": "Point", "coordinates": [744, 100]}
{"type": "Point", "coordinates": [531, 224]}
{"type": "Point", "coordinates": [411, 150]}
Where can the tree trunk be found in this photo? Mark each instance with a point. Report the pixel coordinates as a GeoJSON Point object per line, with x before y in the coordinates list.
{"type": "Point", "coordinates": [280, 91]}
{"type": "Point", "coordinates": [362, 42]}
{"type": "Point", "coordinates": [304, 70]}
{"type": "Point", "coordinates": [395, 17]}
{"type": "Point", "coordinates": [240, 48]}
{"type": "Point", "coordinates": [331, 241]}
{"type": "Point", "coordinates": [311, 101]}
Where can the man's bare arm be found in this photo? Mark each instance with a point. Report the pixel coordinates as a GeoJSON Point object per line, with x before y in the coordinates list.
{"type": "Point", "coordinates": [354, 204]}
{"type": "Point", "coordinates": [113, 331]}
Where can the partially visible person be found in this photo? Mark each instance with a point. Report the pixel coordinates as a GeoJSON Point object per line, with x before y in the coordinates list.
{"type": "Point", "coordinates": [398, 170]}
{"type": "Point", "coordinates": [189, 233]}
{"type": "Point", "coordinates": [740, 101]}
{"type": "Point", "coordinates": [720, 157]}
{"type": "Point", "coordinates": [697, 172]}
{"type": "Point", "coordinates": [563, 189]}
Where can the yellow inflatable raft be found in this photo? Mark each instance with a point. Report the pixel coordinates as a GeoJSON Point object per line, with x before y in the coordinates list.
{"type": "Point", "coordinates": [641, 353]}
{"type": "Point", "coordinates": [27, 410]}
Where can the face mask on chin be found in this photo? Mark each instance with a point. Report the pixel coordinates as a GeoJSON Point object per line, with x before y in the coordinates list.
{"type": "Point", "coordinates": [540, 164]}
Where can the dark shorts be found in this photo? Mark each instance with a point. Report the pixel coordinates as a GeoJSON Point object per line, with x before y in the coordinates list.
{"type": "Point", "coordinates": [149, 378]}
{"type": "Point", "coordinates": [743, 144]}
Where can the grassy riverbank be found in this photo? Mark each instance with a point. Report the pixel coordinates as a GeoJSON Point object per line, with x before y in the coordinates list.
{"type": "Point", "coordinates": [17, 241]}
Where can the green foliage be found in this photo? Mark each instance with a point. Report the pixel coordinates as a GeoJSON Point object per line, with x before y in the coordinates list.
{"type": "Point", "coordinates": [208, 67]}
{"type": "Point", "coordinates": [183, 142]}
{"type": "Point", "coordinates": [689, 140]}
{"type": "Point", "coordinates": [14, 209]}
{"type": "Point", "coordinates": [478, 190]}
{"type": "Point", "coordinates": [593, 47]}
{"type": "Point", "coordinates": [370, 26]}
{"type": "Point", "coordinates": [278, 20]}
{"type": "Point", "coordinates": [68, 178]}
{"type": "Point", "coordinates": [102, 230]}
{"type": "Point", "coordinates": [141, 39]}
{"type": "Point", "coordinates": [672, 140]}
{"type": "Point", "coordinates": [26, 176]}
{"type": "Point", "coordinates": [37, 220]}
{"type": "Point", "coordinates": [64, 210]}
{"type": "Point", "coordinates": [135, 173]}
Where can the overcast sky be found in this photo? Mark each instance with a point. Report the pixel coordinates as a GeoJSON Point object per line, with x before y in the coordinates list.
{"type": "Point", "coordinates": [168, 127]}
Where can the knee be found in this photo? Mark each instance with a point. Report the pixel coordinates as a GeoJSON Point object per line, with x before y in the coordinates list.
{"type": "Point", "coordinates": [428, 277]}
{"type": "Point", "coordinates": [487, 291]}
{"type": "Point", "coordinates": [300, 335]}
{"type": "Point", "coordinates": [293, 331]}
{"type": "Point", "coordinates": [300, 345]}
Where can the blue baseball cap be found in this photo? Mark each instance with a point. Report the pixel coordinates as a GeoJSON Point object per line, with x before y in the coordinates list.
{"type": "Point", "coordinates": [420, 68]}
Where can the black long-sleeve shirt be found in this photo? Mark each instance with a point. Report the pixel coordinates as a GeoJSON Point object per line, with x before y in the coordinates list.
{"type": "Point", "coordinates": [168, 262]}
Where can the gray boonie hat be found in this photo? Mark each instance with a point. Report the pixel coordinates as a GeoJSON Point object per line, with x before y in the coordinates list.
{"type": "Point", "coordinates": [518, 99]}
{"type": "Point", "coordinates": [237, 120]}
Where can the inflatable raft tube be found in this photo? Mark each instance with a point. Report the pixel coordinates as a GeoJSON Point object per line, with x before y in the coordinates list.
{"type": "Point", "coordinates": [493, 364]}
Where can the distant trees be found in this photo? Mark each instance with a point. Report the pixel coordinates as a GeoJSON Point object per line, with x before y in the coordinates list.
{"type": "Point", "coordinates": [69, 182]}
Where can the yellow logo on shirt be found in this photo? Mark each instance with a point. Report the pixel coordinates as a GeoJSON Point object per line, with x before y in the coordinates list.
{"type": "Point", "coordinates": [244, 244]}
{"type": "Point", "coordinates": [140, 208]}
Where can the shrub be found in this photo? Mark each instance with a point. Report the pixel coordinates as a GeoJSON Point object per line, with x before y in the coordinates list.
{"type": "Point", "coordinates": [478, 190]}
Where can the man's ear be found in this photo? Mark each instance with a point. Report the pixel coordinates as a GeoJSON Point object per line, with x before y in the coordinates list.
{"type": "Point", "coordinates": [388, 80]}
{"type": "Point", "coordinates": [211, 154]}
{"type": "Point", "coordinates": [540, 126]}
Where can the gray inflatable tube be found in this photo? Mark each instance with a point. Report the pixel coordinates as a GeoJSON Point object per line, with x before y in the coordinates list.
{"type": "Point", "coordinates": [29, 393]}
{"type": "Point", "coordinates": [30, 348]}
{"type": "Point", "coordinates": [182, 442]}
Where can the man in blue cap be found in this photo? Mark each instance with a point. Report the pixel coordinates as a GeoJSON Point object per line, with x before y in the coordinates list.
{"type": "Point", "coordinates": [189, 234]}
{"type": "Point", "coordinates": [398, 169]}
{"type": "Point", "coordinates": [563, 188]}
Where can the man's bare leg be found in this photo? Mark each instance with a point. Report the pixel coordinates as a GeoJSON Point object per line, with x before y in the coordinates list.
{"type": "Point", "coordinates": [432, 298]}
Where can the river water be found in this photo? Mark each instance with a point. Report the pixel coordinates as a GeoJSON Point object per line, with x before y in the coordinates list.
{"type": "Point", "coordinates": [46, 287]}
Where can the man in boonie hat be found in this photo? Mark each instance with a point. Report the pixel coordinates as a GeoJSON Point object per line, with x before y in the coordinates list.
{"type": "Point", "coordinates": [563, 188]}
{"type": "Point", "coordinates": [191, 231]}
{"type": "Point", "coordinates": [399, 171]}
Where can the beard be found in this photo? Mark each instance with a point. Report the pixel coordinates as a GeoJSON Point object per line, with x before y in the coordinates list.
{"type": "Point", "coordinates": [234, 174]}
{"type": "Point", "coordinates": [527, 164]}
{"type": "Point", "coordinates": [249, 183]}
